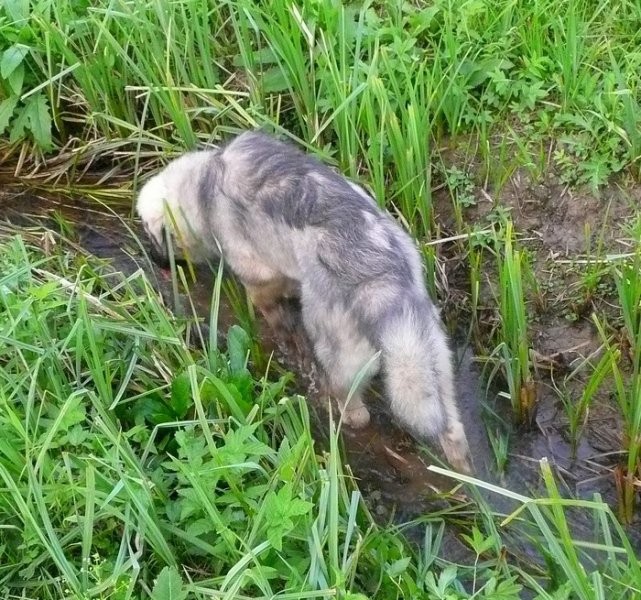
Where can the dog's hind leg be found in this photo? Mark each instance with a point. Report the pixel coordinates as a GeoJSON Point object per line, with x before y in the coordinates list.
{"type": "Point", "coordinates": [341, 371]}
{"type": "Point", "coordinates": [343, 353]}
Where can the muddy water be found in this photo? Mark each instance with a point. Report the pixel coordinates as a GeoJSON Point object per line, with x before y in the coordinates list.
{"type": "Point", "coordinates": [391, 469]}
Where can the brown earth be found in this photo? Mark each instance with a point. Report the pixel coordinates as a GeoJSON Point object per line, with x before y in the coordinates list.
{"type": "Point", "coordinates": [563, 230]}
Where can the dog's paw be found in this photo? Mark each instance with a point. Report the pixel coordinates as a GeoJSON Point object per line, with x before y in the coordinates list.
{"type": "Point", "coordinates": [456, 449]}
{"type": "Point", "coordinates": [356, 418]}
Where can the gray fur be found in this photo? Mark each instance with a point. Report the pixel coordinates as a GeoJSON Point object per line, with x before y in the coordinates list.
{"type": "Point", "coordinates": [289, 225]}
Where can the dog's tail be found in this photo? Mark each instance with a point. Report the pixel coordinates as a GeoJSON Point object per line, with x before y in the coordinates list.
{"type": "Point", "coordinates": [419, 377]}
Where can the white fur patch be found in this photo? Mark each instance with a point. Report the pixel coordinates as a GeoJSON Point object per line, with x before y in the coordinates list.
{"type": "Point", "coordinates": [150, 205]}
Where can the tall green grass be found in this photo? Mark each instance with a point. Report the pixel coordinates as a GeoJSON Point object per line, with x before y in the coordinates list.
{"type": "Point", "coordinates": [373, 86]}
{"type": "Point", "coordinates": [577, 408]}
{"type": "Point", "coordinates": [624, 356]}
{"type": "Point", "coordinates": [134, 467]}
{"type": "Point", "coordinates": [605, 565]}
{"type": "Point", "coordinates": [512, 349]}
{"type": "Point", "coordinates": [128, 464]}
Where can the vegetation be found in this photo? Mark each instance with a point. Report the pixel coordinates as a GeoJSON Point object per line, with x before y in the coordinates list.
{"type": "Point", "coordinates": [369, 86]}
{"type": "Point", "coordinates": [132, 466]}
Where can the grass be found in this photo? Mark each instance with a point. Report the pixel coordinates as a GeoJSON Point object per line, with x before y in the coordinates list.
{"type": "Point", "coordinates": [577, 410]}
{"type": "Point", "coordinates": [514, 345]}
{"type": "Point", "coordinates": [116, 434]}
{"type": "Point", "coordinates": [627, 378]}
{"type": "Point", "coordinates": [118, 431]}
{"type": "Point", "coordinates": [372, 95]}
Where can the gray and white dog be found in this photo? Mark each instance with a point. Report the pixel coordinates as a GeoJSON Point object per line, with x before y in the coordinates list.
{"type": "Point", "coordinates": [288, 225]}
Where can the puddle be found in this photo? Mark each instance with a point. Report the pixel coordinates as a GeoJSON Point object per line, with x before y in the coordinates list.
{"type": "Point", "coordinates": [390, 468]}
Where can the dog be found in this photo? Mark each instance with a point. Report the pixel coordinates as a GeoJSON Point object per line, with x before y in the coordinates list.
{"type": "Point", "coordinates": [288, 226]}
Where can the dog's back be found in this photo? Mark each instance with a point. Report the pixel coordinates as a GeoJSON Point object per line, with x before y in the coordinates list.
{"type": "Point", "coordinates": [273, 183]}
{"type": "Point", "coordinates": [361, 280]}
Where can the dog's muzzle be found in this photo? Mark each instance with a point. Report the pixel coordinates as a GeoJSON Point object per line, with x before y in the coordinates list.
{"type": "Point", "coordinates": [158, 251]}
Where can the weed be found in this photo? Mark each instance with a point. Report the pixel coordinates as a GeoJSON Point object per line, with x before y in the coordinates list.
{"type": "Point", "coordinates": [513, 346]}
{"type": "Point", "coordinates": [500, 443]}
{"type": "Point", "coordinates": [627, 381]}
{"type": "Point", "coordinates": [577, 409]}
{"type": "Point", "coordinates": [24, 107]}
{"type": "Point", "coordinates": [122, 449]}
{"type": "Point", "coordinates": [375, 93]}
{"type": "Point", "coordinates": [567, 570]}
{"type": "Point", "coordinates": [461, 188]}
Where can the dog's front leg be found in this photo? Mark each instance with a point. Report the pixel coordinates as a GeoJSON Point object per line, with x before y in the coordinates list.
{"type": "Point", "coordinates": [269, 298]}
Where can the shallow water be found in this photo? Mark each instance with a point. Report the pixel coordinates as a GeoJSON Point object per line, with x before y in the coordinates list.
{"type": "Point", "coordinates": [391, 469]}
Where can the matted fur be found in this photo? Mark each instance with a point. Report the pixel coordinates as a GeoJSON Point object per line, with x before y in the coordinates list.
{"type": "Point", "coordinates": [289, 225]}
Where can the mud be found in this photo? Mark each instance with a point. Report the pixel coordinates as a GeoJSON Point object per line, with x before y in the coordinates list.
{"type": "Point", "coordinates": [563, 230]}
{"type": "Point", "coordinates": [390, 467]}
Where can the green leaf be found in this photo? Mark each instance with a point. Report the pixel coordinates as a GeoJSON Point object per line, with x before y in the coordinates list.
{"type": "Point", "coordinates": [39, 120]}
{"type": "Point", "coordinates": [192, 448]}
{"type": "Point", "coordinates": [595, 172]}
{"type": "Point", "coordinates": [77, 435]}
{"type": "Point", "coordinates": [19, 125]}
{"type": "Point", "coordinates": [398, 567]}
{"type": "Point", "coordinates": [478, 541]}
{"type": "Point", "coordinates": [16, 79]}
{"type": "Point", "coordinates": [11, 59]}
{"type": "Point", "coordinates": [214, 390]}
{"type": "Point", "coordinates": [153, 410]}
{"type": "Point", "coordinates": [279, 510]}
{"type": "Point", "coordinates": [18, 10]}
{"type": "Point", "coordinates": [237, 347]}
{"type": "Point", "coordinates": [181, 398]}
{"type": "Point", "coordinates": [274, 81]}
{"type": "Point", "coordinates": [74, 413]}
{"type": "Point", "coordinates": [263, 56]}
{"type": "Point", "coordinates": [169, 585]}
{"type": "Point", "coordinates": [6, 112]}
{"type": "Point", "coordinates": [240, 444]}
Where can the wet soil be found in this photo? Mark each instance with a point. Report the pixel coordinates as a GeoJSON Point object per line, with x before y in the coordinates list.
{"type": "Point", "coordinates": [566, 232]}
{"type": "Point", "coordinates": [390, 466]}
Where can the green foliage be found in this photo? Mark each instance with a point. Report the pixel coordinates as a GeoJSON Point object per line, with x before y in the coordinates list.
{"type": "Point", "coordinates": [169, 585]}
{"type": "Point", "coordinates": [280, 509]}
{"type": "Point", "coordinates": [130, 469]}
{"type": "Point", "coordinates": [370, 86]}
{"type": "Point", "coordinates": [461, 186]}
{"type": "Point", "coordinates": [577, 409]}
{"type": "Point", "coordinates": [624, 359]}
{"type": "Point", "coordinates": [213, 489]}
{"type": "Point", "coordinates": [24, 110]}
{"type": "Point", "coordinates": [513, 342]}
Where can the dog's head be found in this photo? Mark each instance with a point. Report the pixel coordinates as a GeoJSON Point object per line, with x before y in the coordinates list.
{"type": "Point", "coordinates": [169, 215]}
{"type": "Point", "coordinates": [153, 207]}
